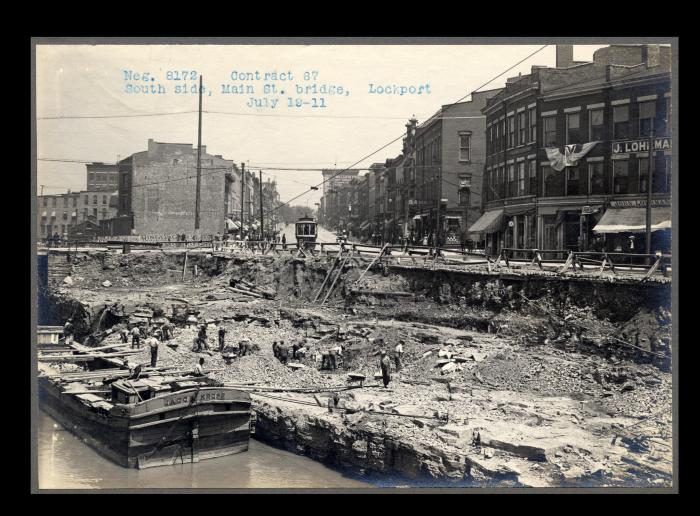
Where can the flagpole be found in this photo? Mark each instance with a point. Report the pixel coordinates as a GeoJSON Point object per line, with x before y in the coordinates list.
{"type": "Point", "coordinates": [650, 172]}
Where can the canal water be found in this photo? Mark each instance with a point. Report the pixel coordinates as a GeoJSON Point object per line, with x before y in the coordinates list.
{"type": "Point", "coordinates": [65, 462]}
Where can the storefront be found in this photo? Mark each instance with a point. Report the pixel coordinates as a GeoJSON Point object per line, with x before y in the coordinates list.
{"type": "Point", "coordinates": [490, 224]}
{"type": "Point", "coordinates": [623, 227]}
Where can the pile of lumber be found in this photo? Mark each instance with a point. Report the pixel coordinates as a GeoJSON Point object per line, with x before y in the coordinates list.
{"type": "Point", "coordinates": [78, 353]}
{"type": "Point", "coordinates": [250, 290]}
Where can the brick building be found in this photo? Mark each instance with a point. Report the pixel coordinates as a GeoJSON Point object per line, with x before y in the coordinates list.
{"type": "Point", "coordinates": [158, 188]}
{"type": "Point", "coordinates": [68, 214]}
{"type": "Point", "coordinates": [102, 177]}
{"type": "Point", "coordinates": [597, 201]}
{"type": "Point", "coordinates": [335, 196]}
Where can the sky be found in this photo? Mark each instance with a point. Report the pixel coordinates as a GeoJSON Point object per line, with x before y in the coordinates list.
{"type": "Point", "coordinates": [94, 81]}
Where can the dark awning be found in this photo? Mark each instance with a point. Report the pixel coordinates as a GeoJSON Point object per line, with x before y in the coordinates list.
{"type": "Point", "coordinates": [489, 222]}
{"type": "Point", "coordinates": [633, 220]}
{"type": "Point", "coordinates": [518, 210]}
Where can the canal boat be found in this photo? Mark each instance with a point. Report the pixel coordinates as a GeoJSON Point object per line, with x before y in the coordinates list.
{"type": "Point", "coordinates": [162, 417]}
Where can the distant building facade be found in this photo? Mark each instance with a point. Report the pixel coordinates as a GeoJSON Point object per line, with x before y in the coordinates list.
{"type": "Point", "coordinates": [157, 187]}
{"type": "Point", "coordinates": [66, 214]}
{"type": "Point", "coordinates": [102, 177]}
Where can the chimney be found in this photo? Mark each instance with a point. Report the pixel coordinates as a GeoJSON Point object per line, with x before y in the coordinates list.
{"type": "Point", "coordinates": [151, 146]}
{"type": "Point", "coordinates": [565, 56]}
{"type": "Point", "coordinates": [652, 55]}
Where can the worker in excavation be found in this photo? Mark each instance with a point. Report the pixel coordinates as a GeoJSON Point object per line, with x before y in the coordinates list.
{"type": "Point", "coordinates": [283, 353]}
{"type": "Point", "coordinates": [222, 336]}
{"type": "Point", "coordinates": [135, 337]}
{"type": "Point", "coordinates": [68, 331]}
{"type": "Point", "coordinates": [153, 343]}
{"type": "Point", "coordinates": [385, 365]}
{"type": "Point", "coordinates": [199, 368]}
{"type": "Point", "coordinates": [202, 338]}
{"type": "Point", "coordinates": [398, 352]}
{"type": "Point", "coordinates": [335, 353]}
{"type": "Point", "coordinates": [244, 347]}
{"type": "Point", "coordinates": [124, 335]}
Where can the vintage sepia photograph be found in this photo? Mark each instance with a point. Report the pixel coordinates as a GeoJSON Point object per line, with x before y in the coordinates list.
{"type": "Point", "coordinates": [354, 265]}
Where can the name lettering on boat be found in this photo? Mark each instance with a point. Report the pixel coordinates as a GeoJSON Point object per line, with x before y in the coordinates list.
{"type": "Point", "coordinates": [205, 396]}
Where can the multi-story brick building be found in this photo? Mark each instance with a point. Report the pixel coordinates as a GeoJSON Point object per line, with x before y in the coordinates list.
{"type": "Point", "coordinates": [599, 200]}
{"type": "Point", "coordinates": [102, 177]}
{"type": "Point", "coordinates": [449, 161]}
{"type": "Point", "coordinates": [67, 213]}
{"type": "Point", "coordinates": [157, 187]}
{"type": "Point", "coordinates": [334, 199]}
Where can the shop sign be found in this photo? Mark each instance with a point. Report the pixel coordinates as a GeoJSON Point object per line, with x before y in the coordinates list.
{"type": "Point", "coordinates": [640, 203]}
{"type": "Point", "coordinates": [640, 145]}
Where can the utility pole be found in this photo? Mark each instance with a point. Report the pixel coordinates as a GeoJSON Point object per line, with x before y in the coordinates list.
{"type": "Point", "coordinates": [439, 201]}
{"type": "Point", "coordinates": [199, 160]}
{"type": "Point", "coordinates": [262, 226]}
{"type": "Point", "coordinates": [650, 171]}
{"type": "Point", "coordinates": [242, 195]}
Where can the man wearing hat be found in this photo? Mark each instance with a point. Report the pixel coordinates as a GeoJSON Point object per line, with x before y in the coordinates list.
{"type": "Point", "coordinates": [385, 365]}
{"type": "Point", "coordinates": [153, 343]}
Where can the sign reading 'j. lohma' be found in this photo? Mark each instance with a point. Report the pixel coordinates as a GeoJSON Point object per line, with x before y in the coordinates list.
{"type": "Point", "coordinates": [640, 145]}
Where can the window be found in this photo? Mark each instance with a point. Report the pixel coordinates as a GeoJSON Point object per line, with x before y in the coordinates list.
{"type": "Point", "coordinates": [512, 185]}
{"type": "Point", "coordinates": [573, 133]}
{"type": "Point", "coordinates": [64, 215]}
{"type": "Point", "coordinates": [522, 129]}
{"type": "Point", "coordinates": [533, 177]}
{"type": "Point", "coordinates": [464, 146]}
{"type": "Point", "coordinates": [464, 196]}
{"type": "Point", "coordinates": [104, 199]}
{"type": "Point", "coordinates": [552, 182]}
{"type": "Point", "coordinates": [104, 213]}
{"type": "Point", "coordinates": [643, 175]}
{"type": "Point", "coordinates": [75, 202]}
{"type": "Point", "coordinates": [94, 199]}
{"type": "Point", "coordinates": [574, 181]}
{"type": "Point", "coordinates": [497, 146]}
{"type": "Point", "coordinates": [521, 178]}
{"type": "Point", "coordinates": [91, 177]}
{"type": "Point", "coordinates": [63, 229]}
{"type": "Point", "coordinates": [503, 134]}
{"type": "Point", "coordinates": [87, 199]}
{"type": "Point", "coordinates": [550, 131]}
{"type": "Point", "coordinates": [647, 114]}
{"type": "Point", "coordinates": [621, 122]}
{"type": "Point", "coordinates": [621, 182]}
{"type": "Point", "coordinates": [45, 201]}
{"type": "Point", "coordinates": [94, 212]}
{"type": "Point", "coordinates": [533, 124]}
{"type": "Point", "coordinates": [511, 131]}
{"type": "Point", "coordinates": [53, 202]}
{"type": "Point", "coordinates": [85, 213]}
{"type": "Point", "coordinates": [668, 169]}
{"type": "Point", "coordinates": [595, 123]}
{"type": "Point", "coordinates": [596, 174]}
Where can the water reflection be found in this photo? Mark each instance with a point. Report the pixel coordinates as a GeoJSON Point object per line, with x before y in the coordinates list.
{"type": "Point", "coordinates": [65, 462]}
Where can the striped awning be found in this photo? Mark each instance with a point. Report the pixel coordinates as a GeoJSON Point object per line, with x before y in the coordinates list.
{"type": "Point", "coordinates": [489, 222]}
{"type": "Point", "coordinates": [633, 220]}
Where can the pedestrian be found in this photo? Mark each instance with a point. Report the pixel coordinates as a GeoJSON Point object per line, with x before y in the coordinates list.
{"type": "Point", "coordinates": [398, 350]}
{"type": "Point", "coordinates": [124, 335]}
{"type": "Point", "coordinates": [275, 349]}
{"type": "Point", "coordinates": [385, 365]}
{"type": "Point", "coordinates": [199, 368]}
{"type": "Point", "coordinates": [284, 242]}
{"type": "Point", "coordinates": [296, 347]}
{"type": "Point", "coordinates": [217, 240]}
{"type": "Point", "coordinates": [153, 343]}
{"type": "Point", "coordinates": [68, 331]}
{"type": "Point", "coordinates": [222, 335]}
{"type": "Point", "coordinates": [135, 337]}
{"type": "Point", "coordinates": [134, 370]}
